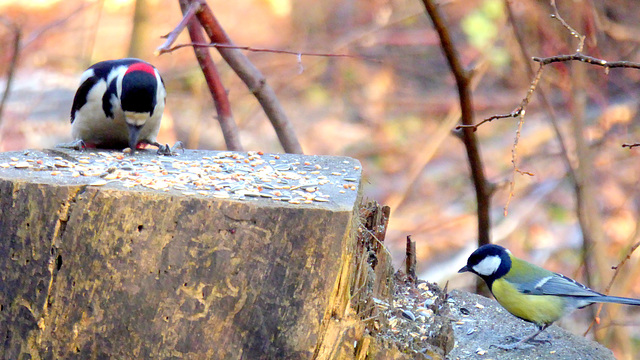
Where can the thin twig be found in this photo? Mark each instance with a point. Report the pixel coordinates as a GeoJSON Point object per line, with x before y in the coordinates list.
{"type": "Point", "coordinates": [630, 146]}
{"type": "Point", "coordinates": [563, 58]}
{"type": "Point", "coordinates": [254, 49]}
{"type": "Point", "coordinates": [252, 77]}
{"type": "Point", "coordinates": [171, 37]}
{"type": "Point", "coordinates": [514, 162]}
{"type": "Point", "coordinates": [613, 278]}
{"type": "Point", "coordinates": [483, 196]}
{"type": "Point", "coordinates": [517, 112]}
{"type": "Point", "coordinates": [572, 31]}
{"type": "Point", "coordinates": [521, 110]}
{"type": "Point", "coordinates": [37, 33]}
{"type": "Point", "coordinates": [552, 118]}
{"type": "Point", "coordinates": [587, 59]}
{"type": "Point", "coordinates": [513, 114]}
{"type": "Point", "coordinates": [218, 92]}
{"type": "Point", "coordinates": [585, 202]}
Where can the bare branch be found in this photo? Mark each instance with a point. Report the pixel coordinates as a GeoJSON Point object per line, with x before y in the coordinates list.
{"type": "Point", "coordinates": [171, 37]}
{"type": "Point", "coordinates": [17, 35]}
{"type": "Point", "coordinates": [552, 118]}
{"type": "Point", "coordinates": [513, 114]}
{"type": "Point", "coordinates": [517, 112]}
{"type": "Point", "coordinates": [587, 59]}
{"type": "Point", "coordinates": [252, 77]}
{"type": "Point", "coordinates": [218, 92]}
{"type": "Point", "coordinates": [483, 196]}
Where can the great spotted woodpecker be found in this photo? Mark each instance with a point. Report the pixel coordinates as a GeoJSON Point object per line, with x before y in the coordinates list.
{"type": "Point", "coordinates": [119, 104]}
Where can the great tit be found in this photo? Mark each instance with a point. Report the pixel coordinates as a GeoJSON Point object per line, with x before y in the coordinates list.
{"type": "Point", "coordinates": [530, 292]}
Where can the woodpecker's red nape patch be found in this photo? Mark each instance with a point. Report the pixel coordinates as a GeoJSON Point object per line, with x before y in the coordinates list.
{"type": "Point", "coordinates": [141, 67]}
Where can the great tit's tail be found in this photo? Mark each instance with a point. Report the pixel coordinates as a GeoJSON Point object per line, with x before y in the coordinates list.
{"type": "Point", "coordinates": [616, 300]}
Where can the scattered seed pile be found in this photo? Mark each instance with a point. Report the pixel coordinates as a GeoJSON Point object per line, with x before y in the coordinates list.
{"type": "Point", "coordinates": [225, 175]}
{"type": "Point", "coordinates": [417, 319]}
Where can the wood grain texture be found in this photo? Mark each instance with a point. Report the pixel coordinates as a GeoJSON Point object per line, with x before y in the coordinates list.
{"type": "Point", "coordinates": [104, 272]}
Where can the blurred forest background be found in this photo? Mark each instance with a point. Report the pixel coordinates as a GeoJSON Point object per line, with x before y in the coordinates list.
{"type": "Point", "coordinates": [393, 107]}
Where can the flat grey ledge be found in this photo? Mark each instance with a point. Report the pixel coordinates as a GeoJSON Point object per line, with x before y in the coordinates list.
{"type": "Point", "coordinates": [482, 322]}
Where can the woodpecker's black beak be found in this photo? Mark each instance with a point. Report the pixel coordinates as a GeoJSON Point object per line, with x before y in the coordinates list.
{"type": "Point", "coordinates": [134, 132]}
{"type": "Point", "coordinates": [464, 269]}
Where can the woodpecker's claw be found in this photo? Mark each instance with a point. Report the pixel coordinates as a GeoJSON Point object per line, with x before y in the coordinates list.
{"type": "Point", "coordinates": [75, 145]}
{"type": "Point", "coordinates": [169, 151]}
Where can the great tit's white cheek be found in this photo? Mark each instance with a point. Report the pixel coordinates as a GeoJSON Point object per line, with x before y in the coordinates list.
{"type": "Point", "coordinates": [488, 265]}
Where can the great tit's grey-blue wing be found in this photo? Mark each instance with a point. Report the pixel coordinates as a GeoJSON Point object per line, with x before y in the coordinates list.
{"type": "Point", "coordinates": [556, 284]}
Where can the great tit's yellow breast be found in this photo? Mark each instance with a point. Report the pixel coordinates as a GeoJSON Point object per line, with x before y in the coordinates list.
{"type": "Point", "coordinates": [538, 309]}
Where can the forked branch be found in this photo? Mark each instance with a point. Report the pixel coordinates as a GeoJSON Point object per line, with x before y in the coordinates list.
{"type": "Point", "coordinates": [249, 74]}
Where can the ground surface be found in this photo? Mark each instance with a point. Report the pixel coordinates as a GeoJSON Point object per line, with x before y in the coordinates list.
{"type": "Point", "coordinates": [488, 323]}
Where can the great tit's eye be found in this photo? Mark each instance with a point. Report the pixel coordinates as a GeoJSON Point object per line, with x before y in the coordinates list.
{"type": "Point", "coordinates": [488, 265]}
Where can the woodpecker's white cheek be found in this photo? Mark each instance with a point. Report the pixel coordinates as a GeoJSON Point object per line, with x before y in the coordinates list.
{"type": "Point", "coordinates": [488, 265]}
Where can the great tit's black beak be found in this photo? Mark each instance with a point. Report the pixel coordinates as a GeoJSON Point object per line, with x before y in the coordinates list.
{"type": "Point", "coordinates": [134, 132]}
{"type": "Point", "coordinates": [464, 269]}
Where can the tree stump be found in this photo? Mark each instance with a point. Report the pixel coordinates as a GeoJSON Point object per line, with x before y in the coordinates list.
{"type": "Point", "coordinates": [206, 255]}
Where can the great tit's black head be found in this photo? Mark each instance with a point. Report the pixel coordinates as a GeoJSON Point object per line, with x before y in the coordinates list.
{"type": "Point", "coordinates": [490, 262]}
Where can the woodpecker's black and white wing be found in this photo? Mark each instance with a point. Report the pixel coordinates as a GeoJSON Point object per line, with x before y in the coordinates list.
{"type": "Point", "coordinates": [98, 88]}
{"type": "Point", "coordinates": [82, 94]}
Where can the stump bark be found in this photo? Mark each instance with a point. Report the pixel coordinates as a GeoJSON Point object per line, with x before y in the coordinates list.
{"type": "Point", "coordinates": [175, 269]}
